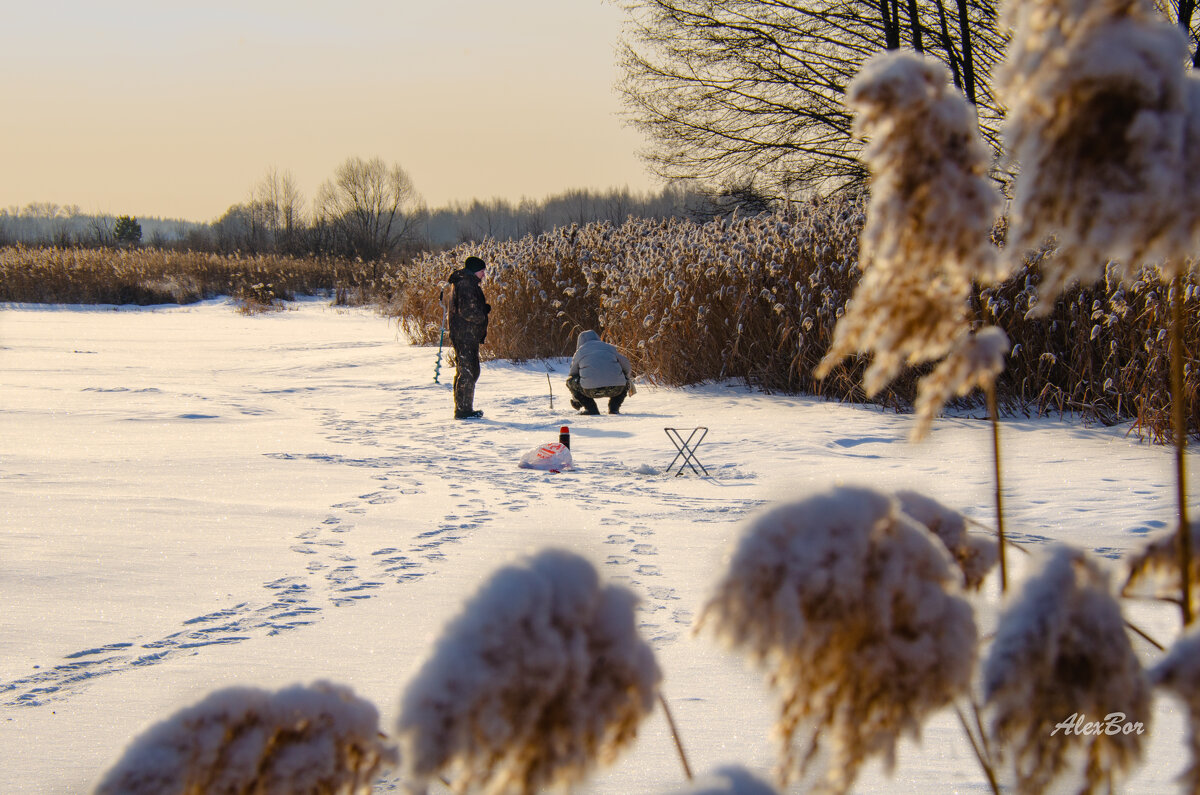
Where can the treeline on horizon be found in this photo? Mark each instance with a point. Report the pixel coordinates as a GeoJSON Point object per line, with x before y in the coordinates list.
{"type": "Point", "coordinates": [266, 226]}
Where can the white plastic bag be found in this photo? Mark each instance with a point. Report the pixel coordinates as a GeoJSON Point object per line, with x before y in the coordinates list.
{"type": "Point", "coordinates": [551, 457]}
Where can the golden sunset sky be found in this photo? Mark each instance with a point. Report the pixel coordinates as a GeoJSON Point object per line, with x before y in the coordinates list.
{"type": "Point", "coordinates": [177, 109]}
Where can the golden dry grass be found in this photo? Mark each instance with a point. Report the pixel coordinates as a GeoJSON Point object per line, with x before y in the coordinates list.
{"type": "Point", "coordinates": [156, 276]}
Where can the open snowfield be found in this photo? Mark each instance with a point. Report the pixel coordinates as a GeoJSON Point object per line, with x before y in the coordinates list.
{"type": "Point", "coordinates": [192, 499]}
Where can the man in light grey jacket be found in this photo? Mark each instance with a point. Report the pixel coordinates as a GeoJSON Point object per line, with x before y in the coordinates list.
{"type": "Point", "coordinates": [598, 370]}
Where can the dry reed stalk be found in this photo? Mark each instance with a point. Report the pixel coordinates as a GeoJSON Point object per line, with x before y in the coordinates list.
{"type": "Point", "coordinates": [1179, 422]}
{"type": "Point", "coordinates": [540, 678]}
{"type": "Point", "coordinates": [975, 360]}
{"type": "Point", "coordinates": [687, 768]}
{"type": "Point", "coordinates": [1062, 653]}
{"type": "Point", "coordinates": [312, 740]}
{"type": "Point", "coordinates": [994, 417]}
{"type": "Point", "coordinates": [854, 609]}
{"type": "Point", "coordinates": [978, 745]}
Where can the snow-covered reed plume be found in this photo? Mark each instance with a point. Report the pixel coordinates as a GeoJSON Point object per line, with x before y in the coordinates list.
{"type": "Point", "coordinates": [974, 555]}
{"type": "Point", "coordinates": [315, 740]}
{"type": "Point", "coordinates": [1104, 127]}
{"type": "Point", "coordinates": [728, 781]}
{"type": "Point", "coordinates": [1179, 672]}
{"type": "Point", "coordinates": [855, 611]}
{"type": "Point", "coordinates": [1097, 122]}
{"type": "Point", "coordinates": [929, 221]}
{"type": "Point", "coordinates": [1156, 568]}
{"type": "Point", "coordinates": [542, 676]}
{"type": "Point", "coordinates": [975, 359]}
{"type": "Point", "coordinates": [1062, 659]}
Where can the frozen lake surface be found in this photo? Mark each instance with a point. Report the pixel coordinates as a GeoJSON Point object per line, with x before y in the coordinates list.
{"type": "Point", "coordinates": [194, 499]}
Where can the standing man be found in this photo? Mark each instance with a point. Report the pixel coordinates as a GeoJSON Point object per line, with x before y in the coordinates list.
{"type": "Point", "coordinates": [468, 319]}
{"type": "Point", "coordinates": [598, 370]}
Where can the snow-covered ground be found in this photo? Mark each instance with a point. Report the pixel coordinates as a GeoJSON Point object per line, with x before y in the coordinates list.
{"type": "Point", "coordinates": [192, 499]}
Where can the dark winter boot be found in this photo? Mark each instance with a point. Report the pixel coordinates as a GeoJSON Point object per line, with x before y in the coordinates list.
{"type": "Point", "coordinates": [468, 415]}
{"type": "Point", "coordinates": [464, 398]}
{"type": "Point", "coordinates": [589, 405]}
{"type": "Point", "coordinates": [614, 403]}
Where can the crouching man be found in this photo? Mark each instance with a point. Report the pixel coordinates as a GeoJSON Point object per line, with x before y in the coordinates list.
{"type": "Point", "coordinates": [598, 370]}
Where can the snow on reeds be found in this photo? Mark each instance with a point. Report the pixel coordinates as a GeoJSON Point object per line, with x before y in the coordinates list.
{"type": "Point", "coordinates": [302, 740]}
{"type": "Point", "coordinates": [1098, 124]}
{"type": "Point", "coordinates": [929, 221]}
{"type": "Point", "coordinates": [975, 555]}
{"type": "Point", "coordinates": [855, 611]}
{"type": "Point", "coordinates": [1155, 569]}
{"type": "Point", "coordinates": [975, 360]}
{"type": "Point", "coordinates": [542, 676]}
{"type": "Point", "coordinates": [1062, 659]}
{"type": "Point", "coordinates": [1179, 673]}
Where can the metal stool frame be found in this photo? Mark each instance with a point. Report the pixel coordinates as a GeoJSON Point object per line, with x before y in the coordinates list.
{"type": "Point", "coordinates": [687, 449]}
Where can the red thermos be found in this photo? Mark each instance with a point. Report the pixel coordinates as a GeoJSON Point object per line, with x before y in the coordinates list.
{"type": "Point", "coordinates": [564, 436]}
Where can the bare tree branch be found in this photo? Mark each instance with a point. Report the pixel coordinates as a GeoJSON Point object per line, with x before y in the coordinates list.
{"type": "Point", "coordinates": [749, 92]}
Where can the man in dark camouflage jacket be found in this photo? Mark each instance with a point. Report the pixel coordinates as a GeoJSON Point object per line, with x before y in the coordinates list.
{"type": "Point", "coordinates": [468, 312]}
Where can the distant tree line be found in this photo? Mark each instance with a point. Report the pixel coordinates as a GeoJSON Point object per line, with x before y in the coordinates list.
{"type": "Point", "coordinates": [67, 226]}
{"type": "Point", "coordinates": [368, 210]}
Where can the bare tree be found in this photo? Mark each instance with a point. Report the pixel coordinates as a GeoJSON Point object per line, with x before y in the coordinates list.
{"type": "Point", "coordinates": [581, 206]}
{"type": "Point", "coordinates": [101, 228]}
{"type": "Point", "coordinates": [276, 211]}
{"type": "Point", "coordinates": [531, 218]}
{"type": "Point", "coordinates": [739, 92]}
{"type": "Point", "coordinates": [234, 230]}
{"type": "Point", "coordinates": [617, 206]}
{"type": "Point", "coordinates": [372, 208]}
{"type": "Point", "coordinates": [493, 219]}
{"type": "Point", "coordinates": [1183, 14]}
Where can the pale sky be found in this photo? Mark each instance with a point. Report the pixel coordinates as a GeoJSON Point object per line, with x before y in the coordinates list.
{"type": "Point", "coordinates": [172, 109]}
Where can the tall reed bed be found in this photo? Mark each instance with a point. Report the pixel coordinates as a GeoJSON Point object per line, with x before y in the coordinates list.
{"type": "Point", "coordinates": [748, 298]}
{"type": "Point", "coordinates": [757, 299]}
{"type": "Point", "coordinates": [1102, 350]}
{"type": "Point", "coordinates": [157, 276]}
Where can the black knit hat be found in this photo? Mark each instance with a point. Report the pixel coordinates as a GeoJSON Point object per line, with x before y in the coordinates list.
{"type": "Point", "coordinates": [474, 264]}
